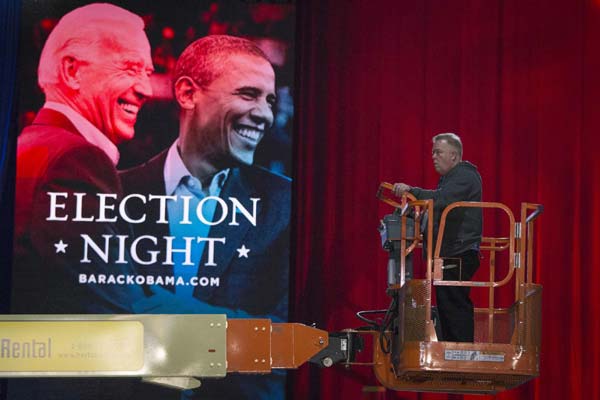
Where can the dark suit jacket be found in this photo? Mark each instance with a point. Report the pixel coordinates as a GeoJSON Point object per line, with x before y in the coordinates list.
{"type": "Point", "coordinates": [258, 284]}
{"type": "Point", "coordinates": [53, 157]}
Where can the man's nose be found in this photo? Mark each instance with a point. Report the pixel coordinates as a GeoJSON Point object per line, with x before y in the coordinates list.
{"type": "Point", "coordinates": [262, 113]}
{"type": "Point", "coordinates": [143, 86]}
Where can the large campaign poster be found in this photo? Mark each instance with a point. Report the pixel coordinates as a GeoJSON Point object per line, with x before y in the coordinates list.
{"type": "Point", "coordinates": [153, 166]}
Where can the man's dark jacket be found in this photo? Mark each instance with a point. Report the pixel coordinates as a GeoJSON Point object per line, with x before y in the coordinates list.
{"type": "Point", "coordinates": [463, 225]}
{"type": "Point", "coordinates": [52, 156]}
{"type": "Point", "coordinates": [257, 284]}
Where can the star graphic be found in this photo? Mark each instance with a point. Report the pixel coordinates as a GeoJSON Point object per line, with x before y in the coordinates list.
{"type": "Point", "coordinates": [61, 247]}
{"type": "Point", "coordinates": [243, 251]}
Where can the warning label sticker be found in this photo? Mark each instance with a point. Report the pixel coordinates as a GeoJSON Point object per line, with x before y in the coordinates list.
{"type": "Point", "coordinates": [472, 355]}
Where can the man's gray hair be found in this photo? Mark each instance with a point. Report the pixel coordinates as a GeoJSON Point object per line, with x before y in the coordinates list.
{"type": "Point", "coordinates": [80, 31]}
{"type": "Point", "coordinates": [452, 139]}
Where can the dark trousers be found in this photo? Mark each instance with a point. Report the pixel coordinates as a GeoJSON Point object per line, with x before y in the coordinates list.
{"type": "Point", "coordinates": [453, 302]}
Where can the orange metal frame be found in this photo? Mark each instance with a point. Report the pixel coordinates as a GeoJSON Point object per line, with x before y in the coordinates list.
{"type": "Point", "coordinates": [492, 244]}
{"type": "Point", "coordinates": [423, 364]}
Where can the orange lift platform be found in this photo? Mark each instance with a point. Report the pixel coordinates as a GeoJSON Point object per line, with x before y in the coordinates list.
{"type": "Point", "coordinates": [407, 354]}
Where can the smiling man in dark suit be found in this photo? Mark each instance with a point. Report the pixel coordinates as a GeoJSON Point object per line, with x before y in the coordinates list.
{"type": "Point", "coordinates": [238, 241]}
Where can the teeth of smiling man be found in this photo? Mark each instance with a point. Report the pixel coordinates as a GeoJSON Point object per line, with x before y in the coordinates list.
{"type": "Point", "coordinates": [130, 108]}
{"type": "Point", "coordinates": [249, 133]}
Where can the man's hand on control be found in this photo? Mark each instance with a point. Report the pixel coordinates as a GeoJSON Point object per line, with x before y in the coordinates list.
{"type": "Point", "coordinates": [401, 188]}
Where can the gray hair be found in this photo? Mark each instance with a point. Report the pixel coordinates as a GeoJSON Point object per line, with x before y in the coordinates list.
{"type": "Point", "coordinates": [80, 31]}
{"type": "Point", "coordinates": [452, 139]}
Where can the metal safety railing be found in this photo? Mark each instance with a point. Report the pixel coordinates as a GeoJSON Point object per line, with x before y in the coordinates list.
{"type": "Point", "coordinates": [518, 243]}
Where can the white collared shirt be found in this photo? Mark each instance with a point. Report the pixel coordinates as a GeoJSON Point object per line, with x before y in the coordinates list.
{"type": "Point", "coordinates": [87, 130]}
{"type": "Point", "coordinates": [179, 182]}
{"type": "Point", "coordinates": [175, 170]}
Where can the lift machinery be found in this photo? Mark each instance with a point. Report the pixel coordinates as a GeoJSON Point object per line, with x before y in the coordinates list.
{"type": "Point", "coordinates": [181, 350]}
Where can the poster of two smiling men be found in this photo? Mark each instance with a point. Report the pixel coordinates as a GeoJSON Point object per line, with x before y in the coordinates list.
{"type": "Point", "coordinates": [153, 171]}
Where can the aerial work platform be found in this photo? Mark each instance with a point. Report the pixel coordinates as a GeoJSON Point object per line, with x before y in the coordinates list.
{"type": "Point", "coordinates": [506, 350]}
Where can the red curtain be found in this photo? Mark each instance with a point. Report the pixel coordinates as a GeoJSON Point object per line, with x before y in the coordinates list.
{"type": "Point", "coordinates": [519, 81]}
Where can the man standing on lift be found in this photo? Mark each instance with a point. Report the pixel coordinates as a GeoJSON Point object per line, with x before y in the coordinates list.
{"type": "Point", "coordinates": [459, 181]}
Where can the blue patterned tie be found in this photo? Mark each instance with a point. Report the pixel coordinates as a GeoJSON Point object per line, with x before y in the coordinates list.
{"type": "Point", "coordinates": [190, 187]}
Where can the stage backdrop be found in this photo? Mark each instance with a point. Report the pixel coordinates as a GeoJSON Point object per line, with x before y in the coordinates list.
{"type": "Point", "coordinates": [519, 82]}
{"type": "Point", "coordinates": [146, 241]}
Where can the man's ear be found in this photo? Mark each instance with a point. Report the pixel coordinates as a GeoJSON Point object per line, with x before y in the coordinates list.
{"type": "Point", "coordinates": [184, 92]}
{"type": "Point", "coordinates": [70, 72]}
